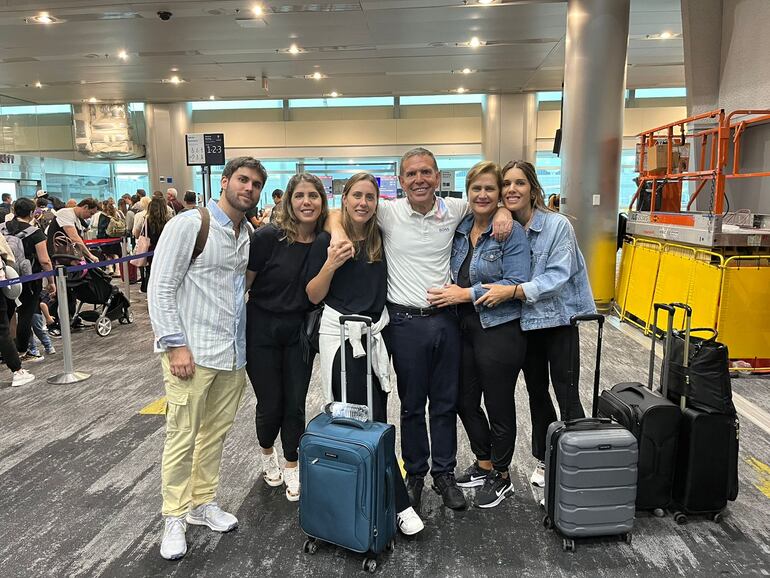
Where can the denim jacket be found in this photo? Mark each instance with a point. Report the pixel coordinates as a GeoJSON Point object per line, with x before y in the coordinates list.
{"type": "Point", "coordinates": [559, 287]}
{"type": "Point", "coordinates": [502, 263]}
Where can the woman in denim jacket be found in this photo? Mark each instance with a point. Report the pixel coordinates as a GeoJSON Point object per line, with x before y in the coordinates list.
{"type": "Point", "coordinates": [493, 345]}
{"type": "Point", "coordinates": [558, 290]}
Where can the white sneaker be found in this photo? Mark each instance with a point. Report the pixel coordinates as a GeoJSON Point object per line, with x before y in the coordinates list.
{"type": "Point", "coordinates": [21, 377]}
{"type": "Point", "coordinates": [538, 476]}
{"type": "Point", "coordinates": [50, 351]}
{"type": "Point", "coordinates": [271, 471]}
{"type": "Point", "coordinates": [542, 503]}
{"type": "Point", "coordinates": [291, 479]}
{"type": "Point", "coordinates": [213, 516]}
{"type": "Point", "coordinates": [174, 545]}
{"type": "Point", "coordinates": [409, 522]}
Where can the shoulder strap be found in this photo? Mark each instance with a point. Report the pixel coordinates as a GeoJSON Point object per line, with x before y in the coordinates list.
{"type": "Point", "coordinates": [203, 233]}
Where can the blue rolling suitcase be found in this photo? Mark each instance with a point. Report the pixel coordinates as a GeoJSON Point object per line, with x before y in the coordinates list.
{"type": "Point", "coordinates": [346, 476]}
{"type": "Point", "coordinates": [590, 472]}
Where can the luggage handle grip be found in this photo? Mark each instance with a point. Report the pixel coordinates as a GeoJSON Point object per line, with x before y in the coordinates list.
{"type": "Point", "coordinates": [587, 421]}
{"type": "Point", "coordinates": [589, 317]}
{"type": "Point", "coordinates": [664, 306]}
{"type": "Point", "coordinates": [357, 318]}
{"type": "Point", "coordinates": [341, 420]}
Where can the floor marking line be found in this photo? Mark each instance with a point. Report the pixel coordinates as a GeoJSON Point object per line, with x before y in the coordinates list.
{"type": "Point", "coordinates": [764, 475]}
{"type": "Point", "coordinates": [157, 407]}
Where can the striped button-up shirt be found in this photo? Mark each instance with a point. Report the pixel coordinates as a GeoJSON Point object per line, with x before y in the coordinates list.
{"type": "Point", "coordinates": [202, 304]}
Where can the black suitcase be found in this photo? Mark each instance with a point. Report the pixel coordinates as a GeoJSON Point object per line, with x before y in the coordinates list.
{"type": "Point", "coordinates": [654, 421]}
{"type": "Point", "coordinates": [706, 476]}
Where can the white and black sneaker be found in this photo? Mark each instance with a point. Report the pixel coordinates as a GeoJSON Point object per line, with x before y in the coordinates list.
{"type": "Point", "coordinates": [473, 476]}
{"type": "Point", "coordinates": [495, 488]}
{"type": "Point", "coordinates": [538, 476]}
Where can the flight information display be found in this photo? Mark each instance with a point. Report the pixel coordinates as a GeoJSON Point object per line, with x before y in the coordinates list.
{"type": "Point", "coordinates": [388, 186]}
{"type": "Point", "coordinates": [328, 185]}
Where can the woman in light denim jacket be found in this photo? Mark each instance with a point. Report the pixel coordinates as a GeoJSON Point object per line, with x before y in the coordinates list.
{"type": "Point", "coordinates": [558, 290]}
{"type": "Point", "coordinates": [493, 345]}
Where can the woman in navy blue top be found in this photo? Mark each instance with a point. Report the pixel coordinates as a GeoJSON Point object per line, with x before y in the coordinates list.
{"type": "Point", "coordinates": [493, 345]}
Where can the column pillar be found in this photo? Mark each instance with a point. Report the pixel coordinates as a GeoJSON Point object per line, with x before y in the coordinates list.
{"type": "Point", "coordinates": [509, 127]}
{"type": "Point", "coordinates": [594, 91]}
{"type": "Point", "coordinates": [166, 126]}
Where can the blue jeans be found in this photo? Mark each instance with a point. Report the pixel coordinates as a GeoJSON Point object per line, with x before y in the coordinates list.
{"type": "Point", "coordinates": [38, 328]}
{"type": "Point", "coordinates": [426, 357]}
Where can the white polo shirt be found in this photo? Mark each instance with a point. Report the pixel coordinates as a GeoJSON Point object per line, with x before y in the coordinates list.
{"type": "Point", "coordinates": [418, 247]}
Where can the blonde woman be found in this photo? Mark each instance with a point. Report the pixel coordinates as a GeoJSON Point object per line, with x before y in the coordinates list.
{"type": "Point", "coordinates": [276, 309]}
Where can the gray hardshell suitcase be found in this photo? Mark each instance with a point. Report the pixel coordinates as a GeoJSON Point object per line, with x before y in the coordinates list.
{"type": "Point", "coordinates": [590, 472]}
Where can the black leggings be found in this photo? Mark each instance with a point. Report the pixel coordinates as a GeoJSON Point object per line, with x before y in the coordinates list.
{"type": "Point", "coordinates": [548, 351]}
{"type": "Point", "coordinates": [491, 361]}
{"type": "Point", "coordinates": [355, 369]}
{"type": "Point", "coordinates": [7, 347]}
{"type": "Point", "coordinates": [30, 304]}
{"type": "Point", "coordinates": [279, 376]}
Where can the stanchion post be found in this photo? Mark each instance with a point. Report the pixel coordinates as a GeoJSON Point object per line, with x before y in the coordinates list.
{"type": "Point", "coordinates": [126, 270]}
{"type": "Point", "coordinates": [69, 375]}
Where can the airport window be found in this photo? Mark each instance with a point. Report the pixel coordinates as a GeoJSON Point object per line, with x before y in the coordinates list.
{"type": "Point", "coordinates": [235, 104]}
{"type": "Point", "coordinates": [441, 99]}
{"type": "Point", "coordinates": [36, 109]}
{"type": "Point", "coordinates": [554, 96]}
{"type": "Point", "coordinates": [660, 92]}
{"type": "Point", "coordinates": [340, 102]}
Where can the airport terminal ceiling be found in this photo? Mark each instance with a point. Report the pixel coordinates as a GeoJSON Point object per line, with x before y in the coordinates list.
{"type": "Point", "coordinates": [293, 48]}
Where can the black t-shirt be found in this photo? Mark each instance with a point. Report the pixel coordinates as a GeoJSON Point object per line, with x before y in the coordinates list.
{"type": "Point", "coordinates": [464, 280]}
{"type": "Point", "coordinates": [358, 287]}
{"type": "Point", "coordinates": [281, 271]}
{"type": "Point", "coordinates": [15, 226]}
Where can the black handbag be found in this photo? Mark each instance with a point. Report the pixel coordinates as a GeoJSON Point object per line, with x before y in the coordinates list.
{"type": "Point", "coordinates": [309, 333]}
{"type": "Point", "coordinates": [709, 387]}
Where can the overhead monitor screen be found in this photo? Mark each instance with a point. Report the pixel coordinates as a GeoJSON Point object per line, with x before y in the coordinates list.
{"type": "Point", "coordinates": [327, 181]}
{"type": "Point", "coordinates": [388, 186]}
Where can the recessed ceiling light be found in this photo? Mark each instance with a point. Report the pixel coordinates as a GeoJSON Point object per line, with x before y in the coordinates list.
{"type": "Point", "coordinates": [174, 69]}
{"type": "Point", "coordinates": [92, 100]}
{"type": "Point", "coordinates": [175, 79]}
{"type": "Point", "coordinates": [475, 42]}
{"type": "Point", "coordinates": [334, 94]}
{"type": "Point", "coordinates": [212, 97]}
{"type": "Point", "coordinates": [486, 2]}
{"type": "Point", "coordinates": [663, 36]}
{"type": "Point", "coordinates": [466, 71]}
{"type": "Point", "coordinates": [257, 10]}
{"type": "Point", "coordinates": [123, 55]}
{"type": "Point", "coordinates": [293, 49]}
{"type": "Point", "coordinates": [38, 84]}
{"type": "Point", "coordinates": [460, 90]}
{"type": "Point", "coordinates": [42, 18]}
{"type": "Point", "coordinates": [317, 75]}
{"type": "Point", "coordinates": [666, 35]}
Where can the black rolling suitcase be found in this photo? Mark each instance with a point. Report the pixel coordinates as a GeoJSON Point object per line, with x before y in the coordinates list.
{"type": "Point", "coordinates": [706, 475]}
{"type": "Point", "coordinates": [654, 421]}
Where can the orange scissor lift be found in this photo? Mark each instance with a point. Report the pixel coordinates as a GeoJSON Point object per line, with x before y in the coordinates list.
{"type": "Point", "coordinates": [717, 260]}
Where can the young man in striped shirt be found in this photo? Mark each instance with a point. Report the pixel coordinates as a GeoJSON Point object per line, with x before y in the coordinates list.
{"type": "Point", "coordinates": [198, 315]}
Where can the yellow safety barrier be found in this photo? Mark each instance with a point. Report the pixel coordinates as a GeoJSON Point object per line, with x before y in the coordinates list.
{"type": "Point", "coordinates": [744, 311]}
{"type": "Point", "coordinates": [624, 274]}
{"type": "Point", "coordinates": [642, 279]}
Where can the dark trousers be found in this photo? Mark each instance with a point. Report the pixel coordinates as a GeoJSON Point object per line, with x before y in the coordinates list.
{"type": "Point", "coordinates": [491, 361]}
{"type": "Point", "coordinates": [7, 347]}
{"type": "Point", "coordinates": [355, 370]}
{"type": "Point", "coordinates": [30, 304]}
{"type": "Point", "coordinates": [279, 376]}
{"type": "Point", "coordinates": [426, 357]}
{"type": "Point", "coordinates": [548, 351]}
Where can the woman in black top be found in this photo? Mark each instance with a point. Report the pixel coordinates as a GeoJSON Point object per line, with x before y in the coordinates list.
{"type": "Point", "coordinates": [154, 221]}
{"type": "Point", "coordinates": [351, 278]}
{"type": "Point", "coordinates": [276, 310]}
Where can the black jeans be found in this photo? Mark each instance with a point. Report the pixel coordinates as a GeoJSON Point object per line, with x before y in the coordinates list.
{"type": "Point", "coordinates": [355, 370]}
{"type": "Point", "coordinates": [548, 350]}
{"type": "Point", "coordinates": [426, 357]}
{"type": "Point", "coordinates": [491, 361]}
{"type": "Point", "coordinates": [7, 347]}
{"type": "Point", "coordinates": [279, 376]}
{"type": "Point", "coordinates": [30, 304]}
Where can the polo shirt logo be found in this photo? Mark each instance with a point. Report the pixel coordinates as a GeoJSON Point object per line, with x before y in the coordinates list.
{"type": "Point", "coordinates": [444, 229]}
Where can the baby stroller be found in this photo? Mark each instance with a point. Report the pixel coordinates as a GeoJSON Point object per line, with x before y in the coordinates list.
{"type": "Point", "coordinates": [93, 287]}
{"type": "Point", "coordinates": [96, 288]}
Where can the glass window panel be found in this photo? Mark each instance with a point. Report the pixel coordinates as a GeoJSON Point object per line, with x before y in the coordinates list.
{"type": "Point", "coordinates": [340, 102]}
{"type": "Point", "coordinates": [235, 104]}
{"type": "Point", "coordinates": [441, 99]}
{"type": "Point", "coordinates": [36, 109]}
{"type": "Point", "coordinates": [660, 92]}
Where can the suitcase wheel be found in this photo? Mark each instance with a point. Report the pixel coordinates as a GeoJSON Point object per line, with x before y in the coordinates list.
{"type": "Point", "coordinates": [568, 544]}
{"type": "Point", "coordinates": [547, 523]}
{"type": "Point", "coordinates": [718, 517]}
{"type": "Point", "coordinates": [659, 513]}
{"type": "Point", "coordinates": [391, 545]}
{"type": "Point", "coordinates": [680, 518]}
{"type": "Point", "coordinates": [627, 537]}
{"type": "Point", "coordinates": [310, 547]}
{"type": "Point", "coordinates": [369, 565]}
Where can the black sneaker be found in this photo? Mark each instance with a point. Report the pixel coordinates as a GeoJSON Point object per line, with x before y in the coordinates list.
{"type": "Point", "coordinates": [473, 476]}
{"type": "Point", "coordinates": [452, 496]}
{"type": "Point", "coordinates": [414, 485]}
{"type": "Point", "coordinates": [496, 487]}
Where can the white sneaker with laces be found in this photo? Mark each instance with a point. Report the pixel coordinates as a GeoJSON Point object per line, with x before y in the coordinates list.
{"type": "Point", "coordinates": [409, 522]}
{"type": "Point", "coordinates": [213, 516]}
{"type": "Point", "coordinates": [21, 377]}
{"type": "Point", "coordinates": [174, 545]}
{"type": "Point", "coordinates": [538, 476]}
{"type": "Point", "coordinates": [291, 479]}
{"type": "Point", "coordinates": [271, 471]}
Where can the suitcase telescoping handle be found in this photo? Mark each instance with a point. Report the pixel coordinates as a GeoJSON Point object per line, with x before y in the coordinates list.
{"type": "Point", "coordinates": [574, 320]}
{"type": "Point", "coordinates": [666, 354]}
{"type": "Point", "coordinates": [343, 381]}
{"type": "Point", "coordinates": [686, 352]}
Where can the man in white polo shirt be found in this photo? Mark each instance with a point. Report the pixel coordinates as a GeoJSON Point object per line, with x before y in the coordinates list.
{"type": "Point", "coordinates": [423, 340]}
